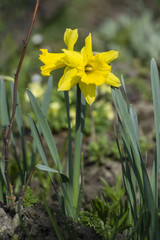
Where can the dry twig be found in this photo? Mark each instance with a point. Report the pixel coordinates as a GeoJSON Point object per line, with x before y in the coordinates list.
{"type": "Point", "coordinates": [7, 133]}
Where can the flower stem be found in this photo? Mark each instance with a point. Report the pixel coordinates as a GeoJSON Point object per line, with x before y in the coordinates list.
{"type": "Point", "coordinates": [77, 154]}
{"type": "Point", "coordinates": [7, 133]}
{"type": "Point", "coordinates": [69, 160]}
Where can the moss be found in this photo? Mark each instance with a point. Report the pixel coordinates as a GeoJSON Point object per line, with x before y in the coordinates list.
{"type": "Point", "coordinates": [30, 199]}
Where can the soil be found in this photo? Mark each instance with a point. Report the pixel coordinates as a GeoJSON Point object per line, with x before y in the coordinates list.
{"type": "Point", "coordinates": [36, 219]}
{"type": "Point", "coordinates": [38, 224]}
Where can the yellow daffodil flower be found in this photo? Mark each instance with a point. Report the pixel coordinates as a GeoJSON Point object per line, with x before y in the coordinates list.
{"type": "Point", "coordinates": [54, 61]}
{"type": "Point", "coordinates": [84, 68]}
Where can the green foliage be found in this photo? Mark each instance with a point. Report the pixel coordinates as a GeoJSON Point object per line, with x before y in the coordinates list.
{"type": "Point", "coordinates": [15, 237]}
{"type": "Point", "coordinates": [71, 191]}
{"type": "Point", "coordinates": [97, 150]}
{"type": "Point", "coordinates": [108, 216]}
{"type": "Point", "coordinates": [138, 36]}
{"type": "Point", "coordinates": [101, 150]}
{"type": "Point", "coordinates": [144, 144]}
{"type": "Point", "coordinates": [23, 164]}
{"type": "Point", "coordinates": [99, 117]}
{"type": "Point", "coordinates": [22, 153]}
{"type": "Point", "coordinates": [53, 220]}
{"type": "Point", "coordinates": [144, 209]}
{"type": "Point", "coordinates": [30, 198]}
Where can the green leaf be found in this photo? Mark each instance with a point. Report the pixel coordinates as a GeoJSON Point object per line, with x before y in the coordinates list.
{"type": "Point", "coordinates": [156, 104]}
{"type": "Point", "coordinates": [44, 127]}
{"type": "Point", "coordinates": [40, 148]}
{"type": "Point", "coordinates": [69, 160]}
{"type": "Point", "coordinates": [134, 119]}
{"type": "Point", "coordinates": [4, 106]}
{"type": "Point", "coordinates": [5, 120]}
{"type": "Point", "coordinates": [18, 116]}
{"type": "Point", "coordinates": [47, 96]}
{"type": "Point", "coordinates": [80, 116]}
{"type": "Point", "coordinates": [53, 221]}
{"type": "Point", "coordinates": [81, 189]}
{"type": "Point", "coordinates": [45, 106]}
{"type": "Point", "coordinates": [48, 169]}
{"type": "Point", "coordinates": [126, 119]}
{"type": "Point", "coordinates": [2, 169]}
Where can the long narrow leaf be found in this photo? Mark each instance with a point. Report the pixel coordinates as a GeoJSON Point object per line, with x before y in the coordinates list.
{"type": "Point", "coordinates": [53, 220]}
{"type": "Point", "coordinates": [80, 190]}
{"type": "Point", "coordinates": [43, 124]}
{"type": "Point", "coordinates": [18, 116]}
{"type": "Point", "coordinates": [156, 104]}
{"type": "Point", "coordinates": [69, 159]}
{"type": "Point", "coordinates": [80, 108]}
{"type": "Point", "coordinates": [52, 170]}
{"type": "Point", "coordinates": [42, 153]}
{"type": "Point", "coordinates": [125, 117]}
{"type": "Point", "coordinates": [134, 119]}
{"type": "Point", "coordinates": [5, 119]}
{"type": "Point", "coordinates": [47, 96]}
{"type": "Point", "coordinates": [45, 106]}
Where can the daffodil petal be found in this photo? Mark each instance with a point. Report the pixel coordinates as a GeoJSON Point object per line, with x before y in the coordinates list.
{"type": "Point", "coordinates": [70, 38]}
{"type": "Point", "coordinates": [108, 56]}
{"type": "Point", "coordinates": [72, 58]}
{"type": "Point", "coordinates": [63, 76]}
{"type": "Point", "coordinates": [88, 45]}
{"type": "Point", "coordinates": [112, 80]}
{"type": "Point", "coordinates": [86, 51]}
{"type": "Point", "coordinates": [89, 91]}
{"type": "Point", "coordinates": [52, 61]}
{"type": "Point", "coordinates": [68, 80]}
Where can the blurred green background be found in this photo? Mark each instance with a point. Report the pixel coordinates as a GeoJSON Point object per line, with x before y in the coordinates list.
{"type": "Point", "coordinates": [131, 27]}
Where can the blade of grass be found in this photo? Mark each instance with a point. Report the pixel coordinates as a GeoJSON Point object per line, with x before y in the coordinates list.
{"type": "Point", "coordinates": [134, 119]}
{"type": "Point", "coordinates": [123, 114]}
{"type": "Point", "coordinates": [47, 96]}
{"type": "Point", "coordinates": [80, 108]}
{"type": "Point", "coordinates": [156, 104]}
{"type": "Point", "coordinates": [52, 170]}
{"type": "Point", "coordinates": [5, 120]}
{"type": "Point", "coordinates": [40, 148]}
{"type": "Point", "coordinates": [1, 187]}
{"type": "Point", "coordinates": [69, 157]}
{"type": "Point", "coordinates": [44, 127]}
{"type": "Point", "coordinates": [117, 95]}
{"type": "Point", "coordinates": [45, 107]}
{"type": "Point", "coordinates": [66, 186]}
{"type": "Point", "coordinates": [26, 231]}
{"type": "Point", "coordinates": [18, 116]}
{"type": "Point", "coordinates": [4, 106]}
{"type": "Point", "coordinates": [125, 92]}
{"type": "Point", "coordinates": [53, 221]}
{"type": "Point", "coordinates": [81, 190]}
{"type": "Point", "coordinates": [150, 204]}
{"type": "Point", "coordinates": [43, 124]}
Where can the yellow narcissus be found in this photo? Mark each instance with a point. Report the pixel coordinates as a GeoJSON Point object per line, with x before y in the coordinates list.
{"type": "Point", "coordinates": [83, 68]}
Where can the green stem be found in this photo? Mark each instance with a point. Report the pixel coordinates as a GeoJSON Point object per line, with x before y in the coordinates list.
{"type": "Point", "coordinates": [77, 155]}
{"type": "Point", "coordinates": [69, 160]}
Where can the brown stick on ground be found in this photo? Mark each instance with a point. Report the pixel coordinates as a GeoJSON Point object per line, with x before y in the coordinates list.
{"type": "Point", "coordinates": [7, 133]}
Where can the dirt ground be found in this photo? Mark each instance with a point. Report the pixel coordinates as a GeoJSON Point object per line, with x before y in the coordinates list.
{"type": "Point", "coordinates": [36, 219]}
